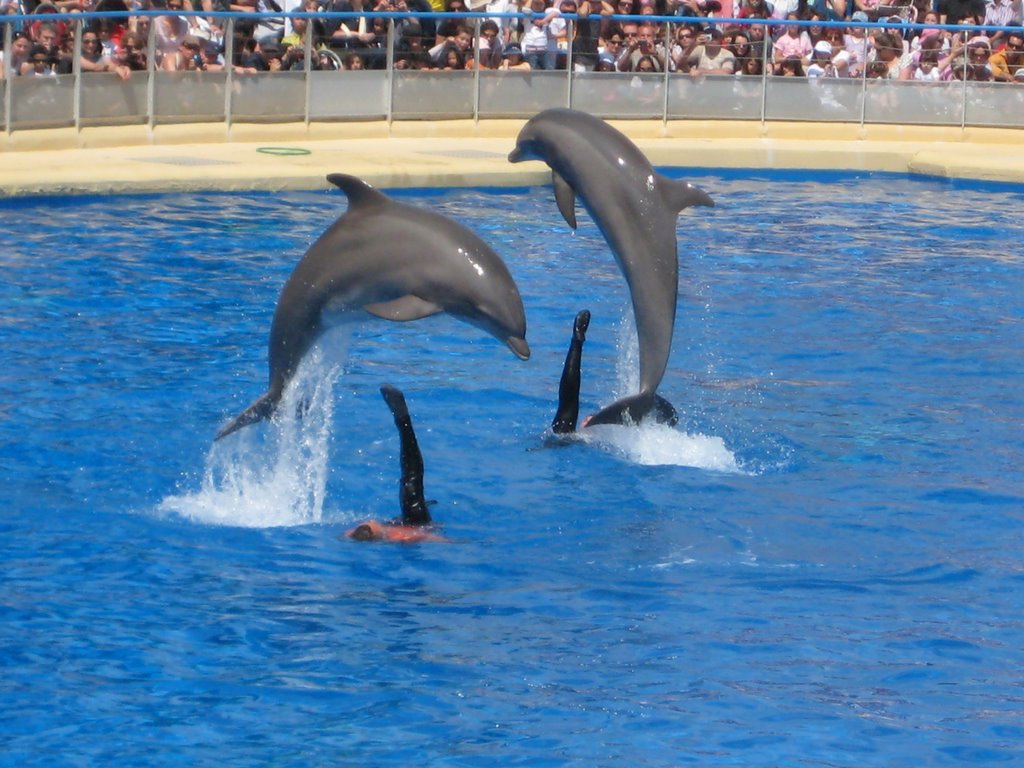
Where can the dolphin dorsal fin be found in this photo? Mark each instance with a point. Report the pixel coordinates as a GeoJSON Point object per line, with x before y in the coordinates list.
{"type": "Point", "coordinates": [680, 194]}
{"type": "Point", "coordinates": [357, 191]}
{"type": "Point", "coordinates": [565, 196]}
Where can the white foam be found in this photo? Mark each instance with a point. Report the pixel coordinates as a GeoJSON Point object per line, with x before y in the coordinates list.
{"type": "Point", "coordinates": [659, 445]}
{"type": "Point", "coordinates": [273, 473]}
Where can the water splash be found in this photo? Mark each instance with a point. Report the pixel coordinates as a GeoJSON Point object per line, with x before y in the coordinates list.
{"type": "Point", "coordinates": [658, 444]}
{"type": "Point", "coordinates": [273, 473]}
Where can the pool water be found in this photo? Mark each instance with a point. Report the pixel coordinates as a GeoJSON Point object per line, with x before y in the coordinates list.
{"type": "Point", "coordinates": [822, 564]}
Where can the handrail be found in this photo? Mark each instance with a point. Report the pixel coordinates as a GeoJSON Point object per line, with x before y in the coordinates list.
{"type": "Point", "coordinates": [666, 109]}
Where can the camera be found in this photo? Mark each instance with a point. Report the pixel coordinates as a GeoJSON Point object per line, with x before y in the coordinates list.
{"type": "Point", "coordinates": [197, 59]}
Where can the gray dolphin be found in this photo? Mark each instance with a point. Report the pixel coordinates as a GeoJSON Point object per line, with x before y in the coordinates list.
{"type": "Point", "coordinates": [393, 261]}
{"type": "Point", "coordinates": [635, 208]}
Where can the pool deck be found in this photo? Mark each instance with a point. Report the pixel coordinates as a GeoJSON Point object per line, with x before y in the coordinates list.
{"type": "Point", "coordinates": [464, 153]}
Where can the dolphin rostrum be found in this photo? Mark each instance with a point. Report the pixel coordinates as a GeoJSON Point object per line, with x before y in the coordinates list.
{"type": "Point", "coordinates": [635, 208]}
{"type": "Point", "coordinates": [396, 262]}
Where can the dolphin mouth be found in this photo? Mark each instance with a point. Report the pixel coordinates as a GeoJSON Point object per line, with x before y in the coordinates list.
{"type": "Point", "coordinates": [515, 156]}
{"type": "Point", "coordinates": [519, 346]}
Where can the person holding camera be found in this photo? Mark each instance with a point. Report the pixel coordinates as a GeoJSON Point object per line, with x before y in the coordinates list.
{"type": "Point", "coordinates": [710, 56]}
{"type": "Point", "coordinates": [645, 43]}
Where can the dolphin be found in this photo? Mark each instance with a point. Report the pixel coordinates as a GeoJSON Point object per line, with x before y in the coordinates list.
{"type": "Point", "coordinates": [396, 262]}
{"type": "Point", "coordinates": [635, 208]}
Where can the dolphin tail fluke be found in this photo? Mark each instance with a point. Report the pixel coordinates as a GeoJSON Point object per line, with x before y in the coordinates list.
{"type": "Point", "coordinates": [258, 411]}
{"type": "Point", "coordinates": [634, 409]}
{"type": "Point", "coordinates": [680, 194]}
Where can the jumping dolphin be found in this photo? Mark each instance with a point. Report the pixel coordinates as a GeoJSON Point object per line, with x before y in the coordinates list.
{"type": "Point", "coordinates": [396, 262]}
{"type": "Point", "coordinates": [635, 208]}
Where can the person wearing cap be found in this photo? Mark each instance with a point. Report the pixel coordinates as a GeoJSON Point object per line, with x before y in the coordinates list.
{"type": "Point", "coordinates": [821, 60]}
{"type": "Point", "coordinates": [710, 57]}
{"type": "Point", "coordinates": [857, 44]}
{"type": "Point", "coordinates": [512, 58]}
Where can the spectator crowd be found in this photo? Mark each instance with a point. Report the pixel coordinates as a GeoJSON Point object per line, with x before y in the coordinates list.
{"type": "Point", "coordinates": [550, 35]}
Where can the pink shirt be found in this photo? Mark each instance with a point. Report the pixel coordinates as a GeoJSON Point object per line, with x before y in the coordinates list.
{"type": "Point", "coordinates": [799, 46]}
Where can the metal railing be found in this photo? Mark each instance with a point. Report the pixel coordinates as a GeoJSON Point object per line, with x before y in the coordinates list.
{"type": "Point", "coordinates": [153, 97]}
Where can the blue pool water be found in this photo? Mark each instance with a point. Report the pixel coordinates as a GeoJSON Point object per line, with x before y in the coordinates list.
{"type": "Point", "coordinates": [822, 565]}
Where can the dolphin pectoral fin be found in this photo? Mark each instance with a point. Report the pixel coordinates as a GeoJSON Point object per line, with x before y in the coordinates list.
{"type": "Point", "coordinates": [565, 196]}
{"type": "Point", "coordinates": [409, 307]}
{"type": "Point", "coordinates": [633, 409]}
{"type": "Point", "coordinates": [680, 194]}
{"type": "Point", "coordinates": [258, 411]}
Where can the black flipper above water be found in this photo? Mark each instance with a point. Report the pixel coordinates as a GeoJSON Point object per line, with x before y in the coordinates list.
{"type": "Point", "coordinates": [413, 502]}
{"type": "Point", "coordinates": [569, 387]}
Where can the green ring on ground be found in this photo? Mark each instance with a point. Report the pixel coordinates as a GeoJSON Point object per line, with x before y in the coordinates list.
{"type": "Point", "coordinates": [284, 151]}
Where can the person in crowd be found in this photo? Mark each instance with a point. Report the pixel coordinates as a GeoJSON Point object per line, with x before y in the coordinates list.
{"type": "Point", "coordinates": [737, 41]}
{"type": "Point", "coordinates": [926, 66]}
{"type": "Point", "coordinates": [793, 42]}
{"type": "Point", "coordinates": [542, 29]}
{"type": "Point", "coordinates": [644, 44]}
{"type": "Point", "coordinates": [92, 58]}
{"type": "Point", "coordinates": [889, 50]}
{"type": "Point", "coordinates": [349, 33]}
{"type": "Point", "coordinates": [504, 23]}
{"type": "Point", "coordinates": [953, 11]}
{"type": "Point", "coordinates": [751, 66]}
{"type": "Point", "coordinates": [685, 40]}
{"type": "Point", "coordinates": [354, 62]}
{"type": "Point", "coordinates": [979, 51]}
{"type": "Point", "coordinates": [755, 9]}
{"type": "Point", "coordinates": [1006, 62]}
{"type": "Point", "coordinates": [821, 61]}
{"type": "Point", "coordinates": [830, 10]}
{"type": "Point", "coordinates": [132, 52]}
{"type": "Point", "coordinates": [858, 45]}
{"type": "Point", "coordinates": [585, 32]}
{"type": "Point", "coordinates": [791, 67]}
{"type": "Point", "coordinates": [21, 45]}
{"type": "Point", "coordinates": [170, 31]}
{"type": "Point", "coordinates": [512, 58]}
{"type": "Point", "coordinates": [761, 44]}
{"type": "Point", "coordinates": [188, 57]}
{"type": "Point", "coordinates": [710, 57]}
{"type": "Point", "coordinates": [40, 63]}
{"type": "Point", "coordinates": [453, 60]}
{"type": "Point", "coordinates": [447, 28]}
{"type": "Point", "coordinates": [460, 42]}
{"type": "Point", "coordinates": [489, 44]}
{"type": "Point", "coordinates": [1000, 13]}
{"type": "Point", "coordinates": [411, 49]}
{"type": "Point", "coordinates": [869, 8]}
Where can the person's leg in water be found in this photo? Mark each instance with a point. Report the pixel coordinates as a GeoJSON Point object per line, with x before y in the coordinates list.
{"type": "Point", "coordinates": [414, 505]}
{"type": "Point", "coordinates": [569, 387]}
{"type": "Point", "coordinates": [415, 524]}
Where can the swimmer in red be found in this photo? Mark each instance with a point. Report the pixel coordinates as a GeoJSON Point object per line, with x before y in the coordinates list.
{"type": "Point", "coordinates": [415, 524]}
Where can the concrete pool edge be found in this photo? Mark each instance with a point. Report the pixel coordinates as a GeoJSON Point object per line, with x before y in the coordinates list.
{"type": "Point", "coordinates": [458, 153]}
